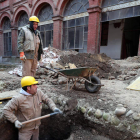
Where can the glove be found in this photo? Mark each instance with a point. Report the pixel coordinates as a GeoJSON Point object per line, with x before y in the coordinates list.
{"type": "Point", "coordinates": [22, 56]}
{"type": "Point", "coordinates": [18, 124]}
{"type": "Point", "coordinates": [58, 110]}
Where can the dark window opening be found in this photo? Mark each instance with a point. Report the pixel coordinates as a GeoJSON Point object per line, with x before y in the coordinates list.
{"type": "Point", "coordinates": [131, 35]}
{"type": "Point", "coordinates": [104, 33]}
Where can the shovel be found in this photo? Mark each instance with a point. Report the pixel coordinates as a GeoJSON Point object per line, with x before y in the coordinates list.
{"type": "Point", "coordinates": [39, 118]}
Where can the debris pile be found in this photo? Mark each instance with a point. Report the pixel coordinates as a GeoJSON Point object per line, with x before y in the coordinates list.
{"type": "Point", "coordinates": [99, 61]}
{"type": "Point", "coordinates": [135, 59]}
{"type": "Point", "coordinates": [49, 58]}
{"type": "Point", "coordinates": [106, 67]}
{"type": "Point", "coordinates": [16, 71]}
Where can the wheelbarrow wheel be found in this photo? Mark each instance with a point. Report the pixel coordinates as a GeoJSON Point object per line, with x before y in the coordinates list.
{"type": "Point", "coordinates": [93, 88]}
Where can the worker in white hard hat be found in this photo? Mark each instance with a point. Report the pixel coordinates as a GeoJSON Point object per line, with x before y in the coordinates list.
{"type": "Point", "coordinates": [30, 47]}
{"type": "Point", "coordinates": [26, 106]}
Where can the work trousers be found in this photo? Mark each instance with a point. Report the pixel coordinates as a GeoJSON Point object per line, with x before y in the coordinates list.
{"type": "Point", "coordinates": [29, 135]}
{"type": "Point", "coordinates": [29, 67]}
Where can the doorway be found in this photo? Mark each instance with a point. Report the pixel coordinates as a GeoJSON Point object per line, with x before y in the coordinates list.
{"type": "Point", "coordinates": [130, 41]}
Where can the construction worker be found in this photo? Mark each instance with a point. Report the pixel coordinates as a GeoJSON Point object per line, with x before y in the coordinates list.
{"type": "Point", "coordinates": [30, 47]}
{"type": "Point", "coordinates": [27, 105]}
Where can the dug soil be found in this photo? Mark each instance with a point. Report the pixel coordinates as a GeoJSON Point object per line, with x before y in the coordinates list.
{"type": "Point", "coordinates": [112, 93]}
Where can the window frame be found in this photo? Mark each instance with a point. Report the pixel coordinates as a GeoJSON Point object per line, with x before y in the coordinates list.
{"type": "Point", "coordinates": [7, 41]}
{"type": "Point", "coordinates": [65, 43]}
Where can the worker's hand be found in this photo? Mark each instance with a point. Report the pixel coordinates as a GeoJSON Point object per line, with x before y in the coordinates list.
{"type": "Point", "coordinates": [18, 124]}
{"type": "Point", "coordinates": [58, 110]}
{"type": "Point", "coordinates": [22, 56]}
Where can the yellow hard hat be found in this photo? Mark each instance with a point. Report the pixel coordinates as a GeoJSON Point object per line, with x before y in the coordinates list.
{"type": "Point", "coordinates": [34, 18]}
{"type": "Point", "coordinates": [27, 81]}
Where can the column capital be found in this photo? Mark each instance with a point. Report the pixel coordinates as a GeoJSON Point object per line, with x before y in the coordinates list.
{"type": "Point", "coordinates": [58, 17]}
{"type": "Point", "coordinates": [94, 9]}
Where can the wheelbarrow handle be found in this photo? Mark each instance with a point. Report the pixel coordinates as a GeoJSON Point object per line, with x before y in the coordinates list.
{"type": "Point", "coordinates": [48, 69]}
{"type": "Point", "coordinates": [39, 118]}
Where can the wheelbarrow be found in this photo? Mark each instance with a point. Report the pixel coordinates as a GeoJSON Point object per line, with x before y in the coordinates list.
{"type": "Point", "coordinates": [83, 74]}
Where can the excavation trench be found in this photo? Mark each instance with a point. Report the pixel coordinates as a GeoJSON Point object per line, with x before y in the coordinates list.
{"type": "Point", "coordinates": [62, 127]}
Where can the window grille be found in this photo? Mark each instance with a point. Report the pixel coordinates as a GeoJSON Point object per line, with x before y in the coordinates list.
{"type": "Point", "coordinates": [107, 3]}
{"type": "Point", "coordinates": [7, 37]}
{"type": "Point", "coordinates": [23, 20]}
{"type": "Point", "coordinates": [7, 24]}
{"type": "Point", "coordinates": [75, 33]}
{"type": "Point", "coordinates": [46, 32]}
{"type": "Point", "coordinates": [7, 44]}
{"type": "Point", "coordinates": [75, 7]}
{"type": "Point", "coordinates": [45, 13]}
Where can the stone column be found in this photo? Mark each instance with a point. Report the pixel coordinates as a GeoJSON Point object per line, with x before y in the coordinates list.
{"type": "Point", "coordinates": [57, 31]}
{"type": "Point", "coordinates": [14, 36]}
{"type": "Point", "coordinates": [1, 44]}
{"type": "Point", "coordinates": [93, 45]}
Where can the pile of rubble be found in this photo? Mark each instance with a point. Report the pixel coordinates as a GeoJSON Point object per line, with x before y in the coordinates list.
{"type": "Point", "coordinates": [106, 67]}
{"type": "Point", "coordinates": [135, 59]}
{"type": "Point", "coordinates": [49, 59]}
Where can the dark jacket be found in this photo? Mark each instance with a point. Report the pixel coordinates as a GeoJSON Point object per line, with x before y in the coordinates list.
{"type": "Point", "coordinates": [30, 53]}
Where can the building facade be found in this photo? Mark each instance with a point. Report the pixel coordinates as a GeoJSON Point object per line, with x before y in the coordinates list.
{"type": "Point", "coordinates": [64, 24]}
{"type": "Point", "coordinates": [86, 26]}
{"type": "Point", "coordinates": [120, 21]}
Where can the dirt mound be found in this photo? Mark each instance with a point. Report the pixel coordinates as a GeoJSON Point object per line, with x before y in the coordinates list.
{"type": "Point", "coordinates": [100, 61]}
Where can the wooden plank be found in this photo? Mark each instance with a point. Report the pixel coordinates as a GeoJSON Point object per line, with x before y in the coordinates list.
{"type": "Point", "coordinates": [9, 94]}
{"type": "Point", "coordinates": [135, 85]}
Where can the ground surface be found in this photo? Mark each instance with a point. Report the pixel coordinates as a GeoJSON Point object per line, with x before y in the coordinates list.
{"type": "Point", "coordinates": [112, 93]}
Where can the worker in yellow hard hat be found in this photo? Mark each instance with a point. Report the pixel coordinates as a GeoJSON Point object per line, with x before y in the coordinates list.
{"type": "Point", "coordinates": [27, 105]}
{"type": "Point", "coordinates": [30, 47]}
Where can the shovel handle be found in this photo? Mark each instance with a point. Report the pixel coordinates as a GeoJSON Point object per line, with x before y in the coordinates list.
{"type": "Point", "coordinates": [39, 118]}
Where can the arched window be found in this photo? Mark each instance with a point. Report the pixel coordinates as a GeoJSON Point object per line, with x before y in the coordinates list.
{"type": "Point", "coordinates": [23, 20]}
{"type": "Point", "coordinates": [7, 24]}
{"type": "Point", "coordinates": [76, 7]}
{"type": "Point", "coordinates": [45, 13]}
{"type": "Point", "coordinates": [75, 28]}
{"type": "Point", "coordinates": [46, 25]}
{"type": "Point", "coordinates": [7, 37]}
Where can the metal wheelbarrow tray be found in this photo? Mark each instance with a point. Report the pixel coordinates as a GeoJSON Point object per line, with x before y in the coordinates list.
{"type": "Point", "coordinates": [92, 83]}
